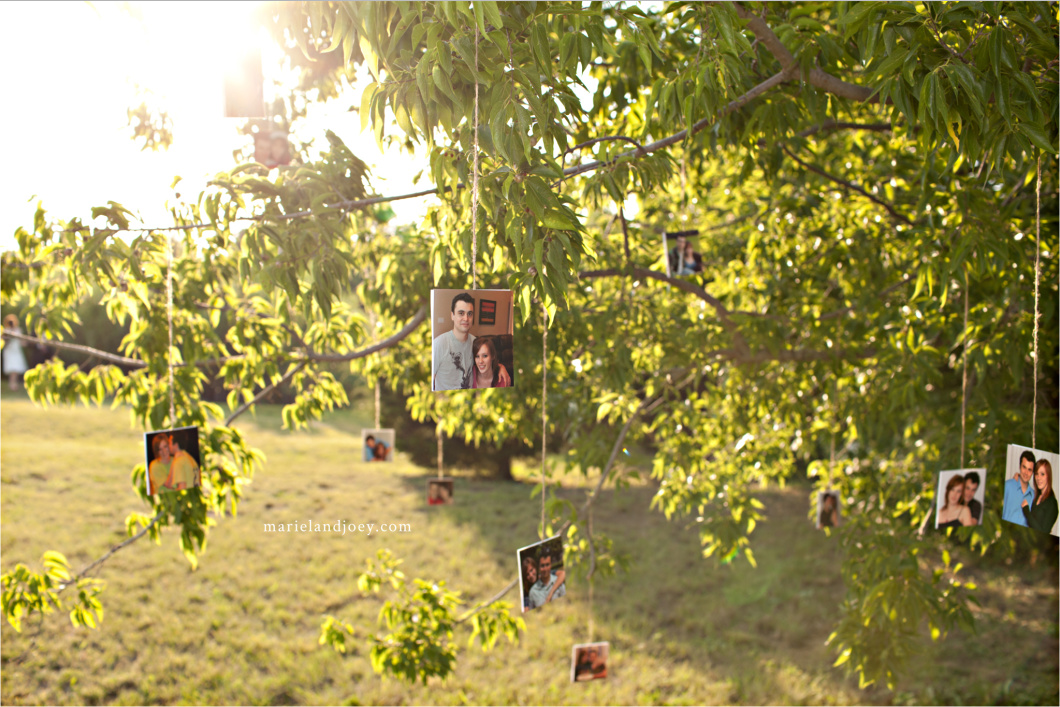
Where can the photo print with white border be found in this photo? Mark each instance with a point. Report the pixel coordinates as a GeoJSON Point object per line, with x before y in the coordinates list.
{"type": "Point", "coordinates": [589, 661]}
{"type": "Point", "coordinates": [378, 445]}
{"type": "Point", "coordinates": [472, 339]}
{"type": "Point", "coordinates": [828, 503]}
{"type": "Point", "coordinates": [541, 574]}
{"type": "Point", "coordinates": [959, 498]}
{"type": "Point", "coordinates": [1030, 488]}
{"type": "Point", "coordinates": [173, 459]}
{"type": "Point", "coordinates": [440, 491]}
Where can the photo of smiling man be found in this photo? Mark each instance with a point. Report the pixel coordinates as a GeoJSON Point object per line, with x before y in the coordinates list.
{"type": "Point", "coordinates": [472, 339]}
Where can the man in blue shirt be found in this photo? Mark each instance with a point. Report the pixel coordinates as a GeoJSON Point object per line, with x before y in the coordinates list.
{"type": "Point", "coordinates": [370, 445]}
{"type": "Point", "coordinates": [1019, 489]}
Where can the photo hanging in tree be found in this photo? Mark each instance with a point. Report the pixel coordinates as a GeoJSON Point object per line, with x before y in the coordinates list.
{"type": "Point", "coordinates": [472, 342]}
{"type": "Point", "coordinates": [440, 491]}
{"type": "Point", "coordinates": [378, 445]}
{"type": "Point", "coordinates": [682, 258]}
{"type": "Point", "coordinates": [541, 574]}
{"type": "Point", "coordinates": [173, 460]}
{"type": "Point", "coordinates": [1030, 488]}
{"type": "Point", "coordinates": [827, 509]}
{"type": "Point", "coordinates": [589, 661]}
{"type": "Point", "coordinates": [959, 498]}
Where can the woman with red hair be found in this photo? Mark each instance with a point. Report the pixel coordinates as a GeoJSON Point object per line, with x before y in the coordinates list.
{"type": "Point", "coordinates": [954, 513]}
{"type": "Point", "coordinates": [1042, 514]}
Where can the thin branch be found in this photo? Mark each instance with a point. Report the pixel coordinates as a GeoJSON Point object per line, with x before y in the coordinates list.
{"type": "Point", "coordinates": [848, 185]}
{"type": "Point", "coordinates": [660, 144]}
{"type": "Point", "coordinates": [87, 350]}
{"type": "Point", "coordinates": [723, 313]}
{"type": "Point", "coordinates": [479, 607]}
{"type": "Point", "coordinates": [882, 294]}
{"type": "Point", "coordinates": [590, 143]}
{"type": "Point", "coordinates": [123, 544]}
{"type": "Point", "coordinates": [417, 319]}
{"type": "Point", "coordinates": [261, 395]}
{"type": "Point", "coordinates": [830, 126]}
{"type": "Point", "coordinates": [625, 232]}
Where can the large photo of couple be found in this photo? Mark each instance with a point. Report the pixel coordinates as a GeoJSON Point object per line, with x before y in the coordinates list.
{"type": "Point", "coordinates": [173, 461]}
{"type": "Point", "coordinates": [541, 574]}
{"type": "Point", "coordinates": [1030, 480]}
{"type": "Point", "coordinates": [471, 332]}
{"type": "Point", "coordinates": [959, 498]}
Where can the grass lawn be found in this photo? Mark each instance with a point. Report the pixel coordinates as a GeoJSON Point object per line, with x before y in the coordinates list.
{"type": "Point", "coordinates": [243, 628]}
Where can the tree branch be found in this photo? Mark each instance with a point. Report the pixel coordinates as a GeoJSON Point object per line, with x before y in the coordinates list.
{"type": "Point", "coordinates": [723, 313]}
{"type": "Point", "coordinates": [417, 319]}
{"type": "Point", "coordinates": [87, 350]}
{"type": "Point", "coordinates": [848, 185]}
{"type": "Point", "coordinates": [261, 395]}
{"type": "Point", "coordinates": [123, 544]}
{"type": "Point", "coordinates": [816, 77]}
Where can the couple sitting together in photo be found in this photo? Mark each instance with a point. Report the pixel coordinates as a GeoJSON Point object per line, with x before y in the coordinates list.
{"type": "Point", "coordinates": [462, 360]}
{"type": "Point", "coordinates": [960, 507]}
{"type": "Point", "coordinates": [375, 450]}
{"type": "Point", "coordinates": [172, 468]}
{"type": "Point", "coordinates": [1029, 498]}
{"type": "Point", "coordinates": [544, 582]}
{"type": "Point", "coordinates": [684, 260]}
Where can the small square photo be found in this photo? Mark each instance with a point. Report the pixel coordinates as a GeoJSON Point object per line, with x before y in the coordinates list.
{"type": "Point", "coordinates": [827, 509]}
{"type": "Point", "coordinates": [440, 492]}
{"type": "Point", "coordinates": [589, 661]}
{"type": "Point", "coordinates": [541, 574]}
{"type": "Point", "coordinates": [1030, 488]}
{"type": "Point", "coordinates": [959, 498]}
{"type": "Point", "coordinates": [378, 445]}
{"type": "Point", "coordinates": [472, 342]}
{"type": "Point", "coordinates": [682, 258]}
{"type": "Point", "coordinates": [173, 459]}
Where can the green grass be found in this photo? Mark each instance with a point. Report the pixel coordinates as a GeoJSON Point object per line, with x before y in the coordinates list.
{"type": "Point", "coordinates": [243, 628]}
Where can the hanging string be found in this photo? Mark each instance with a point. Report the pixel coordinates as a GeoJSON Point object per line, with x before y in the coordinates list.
{"type": "Point", "coordinates": [592, 571]}
{"type": "Point", "coordinates": [964, 375]}
{"type": "Point", "coordinates": [377, 402]}
{"type": "Point", "coordinates": [169, 319]}
{"type": "Point", "coordinates": [474, 178]}
{"type": "Point", "coordinates": [440, 457]}
{"type": "Point", "coordinates": [1037, 273]}
{"type": "Point", "coordinates": [544, 409]}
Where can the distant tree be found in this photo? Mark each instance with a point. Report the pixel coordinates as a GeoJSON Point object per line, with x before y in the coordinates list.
{"type": "Point", "coordinates": [857, 172]}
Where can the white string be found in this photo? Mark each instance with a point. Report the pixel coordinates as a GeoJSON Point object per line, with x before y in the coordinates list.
{"type": "Point", "coordinates": [377, 397]}
{"type": "Point", "coordinates": [544, 409]}
{"type": "Point", "coordinates": [474, 178]}
{"type": "Point", "coordinates": [440, 457]}
{"type": "Point", "coordinates": [169, 318]}
{"type": "Point", "coordinates": [1037, 274]}
{"type": "Point", "coordinates": [964, 375]}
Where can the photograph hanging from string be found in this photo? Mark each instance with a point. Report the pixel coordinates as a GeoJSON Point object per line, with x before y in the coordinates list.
{"type": "Point", "coordinates": [472, 342]}
{"type": "Point", "coordinates": [828, 509]}
{"type": "Point", "coordinates": [541, 574]}
{"type": "Point", "coordinates": [959, 498]}
{"type": "Point", "coordinates": [378, 445]}
{"type": "Point", "coordinates": [589, 661]}
{"type": "Point", "coordinates": [173, 459]}
{"type": "Point", "coordinates": [1030, 488]}
{"type": "Point", "coordinates": [682, 258]}
{"type": "Point", "coordinates": [440, 491]}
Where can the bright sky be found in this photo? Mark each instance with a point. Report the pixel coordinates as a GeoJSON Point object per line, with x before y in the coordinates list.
{"type": "Point", "coordinates": [68, 87]}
